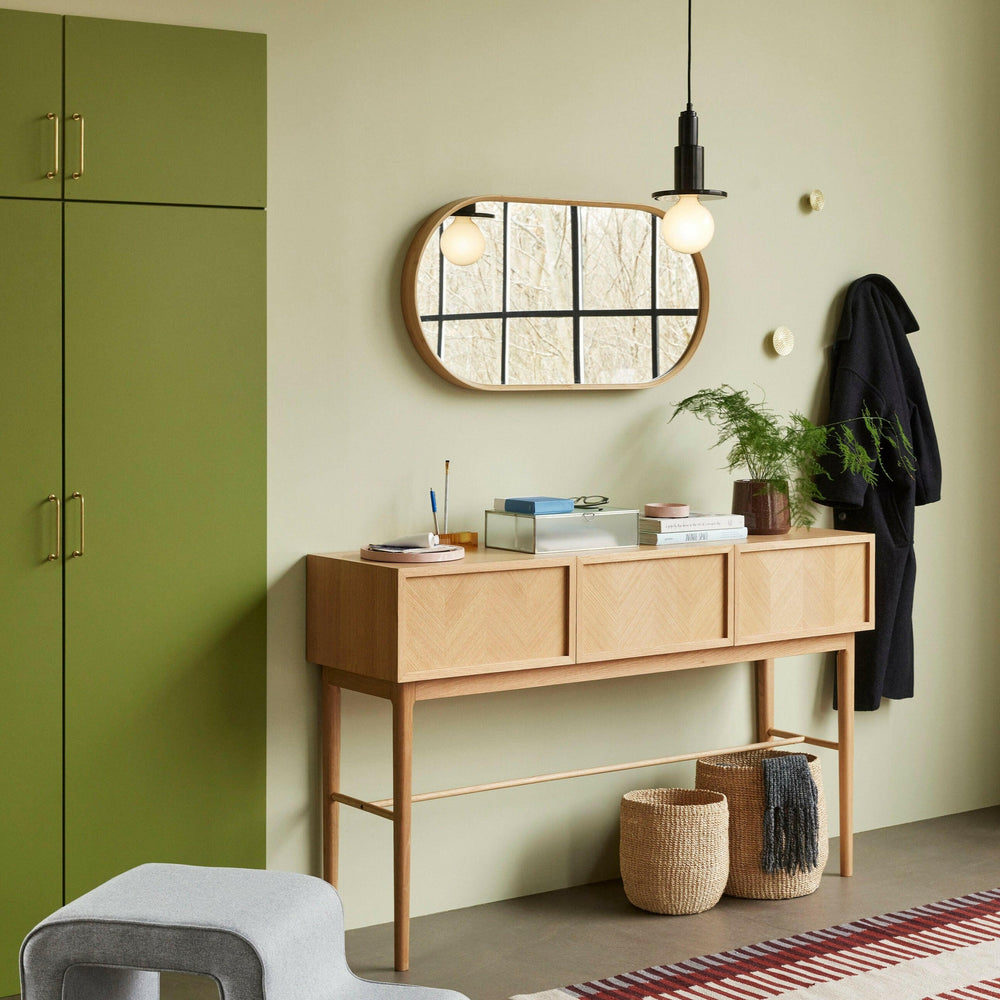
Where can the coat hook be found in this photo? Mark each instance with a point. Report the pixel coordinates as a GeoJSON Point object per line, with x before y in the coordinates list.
{"type": "Point", "coordinates": [783, 340]}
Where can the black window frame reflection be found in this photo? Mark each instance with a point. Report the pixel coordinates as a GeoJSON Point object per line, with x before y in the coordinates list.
{"type": "Point", "coordinates": [577, 312]}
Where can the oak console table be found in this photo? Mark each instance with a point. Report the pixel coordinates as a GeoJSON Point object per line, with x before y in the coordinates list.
{"type": "Point", "coordinates": [500, 621]}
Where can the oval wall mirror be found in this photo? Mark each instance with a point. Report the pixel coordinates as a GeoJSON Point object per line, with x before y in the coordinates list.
{"type": "Point", "coordinates": [551, 295]}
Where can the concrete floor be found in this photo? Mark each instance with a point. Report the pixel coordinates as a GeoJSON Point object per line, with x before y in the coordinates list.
{"type": "Point", "coordinates": [554, 939]}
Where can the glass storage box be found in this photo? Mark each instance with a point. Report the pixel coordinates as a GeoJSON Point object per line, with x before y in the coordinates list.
{"type": "Point", "coordinates": [610, 528]}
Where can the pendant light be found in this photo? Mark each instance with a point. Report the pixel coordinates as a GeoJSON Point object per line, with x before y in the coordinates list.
{"type": "Point", "coordinates": [462, 242]}
{"type": "Point", "coordinates": [688, 226]}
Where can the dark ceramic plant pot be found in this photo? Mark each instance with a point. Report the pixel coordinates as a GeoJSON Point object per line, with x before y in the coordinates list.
{"type": "Point", "coordinates": [764, 506]}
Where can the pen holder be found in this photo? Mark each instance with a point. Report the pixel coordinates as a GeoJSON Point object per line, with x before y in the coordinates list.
{"type": "Point", "coordinates": [469, 540]}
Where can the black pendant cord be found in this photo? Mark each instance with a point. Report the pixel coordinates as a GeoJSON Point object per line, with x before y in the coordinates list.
{"type": "Point", "coordinates": [689, 55]}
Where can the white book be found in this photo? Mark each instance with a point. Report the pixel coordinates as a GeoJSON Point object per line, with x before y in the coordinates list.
{"type": "Point", "coordinates": [680, 537]}
{"type": "Point", "coordinates": [693, 522]}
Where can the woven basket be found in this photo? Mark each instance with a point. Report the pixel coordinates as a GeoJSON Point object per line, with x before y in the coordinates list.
{"type": "Point", "coordinates": [674, 849]}
{"type": "Point", "coordinates": [740, 777]}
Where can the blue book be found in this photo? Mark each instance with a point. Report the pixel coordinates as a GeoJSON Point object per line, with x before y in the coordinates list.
{"type": "Point", "coordinates": [538, 505]}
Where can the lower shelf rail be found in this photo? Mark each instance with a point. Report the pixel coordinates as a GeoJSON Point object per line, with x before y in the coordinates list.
{"type": "Point", "coordinates": [383, 807]}
{"type": "Point", "coordinates": [813, 741]}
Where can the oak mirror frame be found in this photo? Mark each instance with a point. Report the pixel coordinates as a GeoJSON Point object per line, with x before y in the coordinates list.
{"type": "Point", "coordinates": [566, 295]}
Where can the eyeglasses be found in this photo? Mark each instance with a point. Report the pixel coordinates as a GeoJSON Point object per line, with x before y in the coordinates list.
{"type": "Point", "coordinates": [589, 502]}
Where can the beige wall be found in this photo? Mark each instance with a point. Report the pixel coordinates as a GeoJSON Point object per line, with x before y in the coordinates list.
{"type": "Point", "coordinates": [381, 111]}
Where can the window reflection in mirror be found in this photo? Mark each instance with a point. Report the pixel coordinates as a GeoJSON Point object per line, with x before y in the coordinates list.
{"type": "Point", "coordinates": [565, 295]}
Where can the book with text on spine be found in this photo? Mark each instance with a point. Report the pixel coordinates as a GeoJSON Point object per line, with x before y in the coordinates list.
{"type": "Point", "coordinates": [693, 522]}
{"type": "Point", "coordinates": [538, 505]}
{"type": "Point", "coordinates": [680, 537]}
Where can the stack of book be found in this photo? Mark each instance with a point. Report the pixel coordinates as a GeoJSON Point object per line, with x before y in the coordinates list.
{"type": "Point", "coordinates": [693, 528]}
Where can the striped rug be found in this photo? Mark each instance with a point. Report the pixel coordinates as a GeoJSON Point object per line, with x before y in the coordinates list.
{"type": "Point", "coordinates": [943, 951]}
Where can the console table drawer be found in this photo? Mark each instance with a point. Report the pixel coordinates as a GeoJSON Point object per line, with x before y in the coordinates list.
{"type": "Point", "coordinates": [656, 603]}
{"type": "Point", "coordinates": [473, 622]}
{"type": "Point", "coordinates": [407, 622]}
{"type": "Point", "coordinates": [783, 592]}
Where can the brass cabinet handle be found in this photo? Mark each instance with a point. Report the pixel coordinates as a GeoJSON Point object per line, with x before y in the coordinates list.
{"type": "Point", "coordinates": [77, 174]}
{"type": "Point", "coordinates": [52, 556]}
{"type": "Point", "coordinates": [54, 172]}
{"type": "Point", "coordinates": [78, 552]}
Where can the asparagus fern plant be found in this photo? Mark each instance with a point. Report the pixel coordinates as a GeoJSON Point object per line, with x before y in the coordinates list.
{"type": "Point", "coordinates": [787, 453]}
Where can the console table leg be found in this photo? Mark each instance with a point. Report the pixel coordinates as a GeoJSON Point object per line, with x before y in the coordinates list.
{"type": "Point", "coordinates": [845, 755]}
{"type": "Point", "coordinates": [402, 792]}
{"type": "Point", "coordinates": [764, 679]}
{"type": "Point", "coordinates": [330, 750]}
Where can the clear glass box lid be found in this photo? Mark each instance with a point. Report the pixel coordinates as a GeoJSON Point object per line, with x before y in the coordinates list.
{"type": "Point", "coordinates": [612, 527]}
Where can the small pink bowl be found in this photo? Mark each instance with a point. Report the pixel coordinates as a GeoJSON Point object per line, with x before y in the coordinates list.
{"type": "Point", "coordinates": [667, 510]}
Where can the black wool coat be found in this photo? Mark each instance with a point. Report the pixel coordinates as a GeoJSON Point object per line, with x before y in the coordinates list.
{"type": "Point", "coordinates": [874, 365]}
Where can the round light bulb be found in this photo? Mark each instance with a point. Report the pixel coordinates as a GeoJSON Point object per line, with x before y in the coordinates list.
{"type": "Point", "coordinates": [462, 242]}
{"type": "Point", "coordinates": [688, 226]}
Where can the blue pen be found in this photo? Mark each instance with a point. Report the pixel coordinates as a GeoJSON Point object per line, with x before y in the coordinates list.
{"type": "Point", "coordinates": [434, 511]}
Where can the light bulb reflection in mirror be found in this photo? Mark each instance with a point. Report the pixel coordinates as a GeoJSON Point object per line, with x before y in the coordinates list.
{"type": "Point", "coordinates": [462, 243]}
{"type": "Point", "coordinates": [688, 226]}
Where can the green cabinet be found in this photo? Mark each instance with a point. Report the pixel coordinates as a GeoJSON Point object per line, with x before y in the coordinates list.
{"type": "Point", "coordinates": [165, 443]}
{"type": "Point", "coordinates": [30, 581]}
{"type": "Point", "coordinates": [153, 113]}
{"type": "Point", "coordinates": [132, 415]}
{"type": "Point", "coordinates": [30, 104]}
{"type": "Point", "coordinates": [169, 114]}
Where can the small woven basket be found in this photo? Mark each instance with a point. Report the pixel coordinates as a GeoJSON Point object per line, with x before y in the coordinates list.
{"type": "Point", "coordinates": [674, 849]}
{"type": "Point", "coordinates": [740, 777]}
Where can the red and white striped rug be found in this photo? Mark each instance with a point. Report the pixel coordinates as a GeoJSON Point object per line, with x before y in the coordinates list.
{"type": "Point", "coordinates": [943, 951]}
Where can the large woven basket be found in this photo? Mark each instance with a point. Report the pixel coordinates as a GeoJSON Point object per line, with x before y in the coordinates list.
{"type": "Point", "coordinates": [674, 849]}
{"type": "Point", "coordinates": [740, 777]}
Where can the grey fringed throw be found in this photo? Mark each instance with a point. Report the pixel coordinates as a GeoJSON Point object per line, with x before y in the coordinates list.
{"type": "Point", "coordinates": [791, 816]}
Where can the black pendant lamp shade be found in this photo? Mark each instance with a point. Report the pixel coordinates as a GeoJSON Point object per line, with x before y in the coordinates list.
{"type": "Point", "coordinates": [469, 211]}
{"type": "Point", "coordinates": [689, 161]}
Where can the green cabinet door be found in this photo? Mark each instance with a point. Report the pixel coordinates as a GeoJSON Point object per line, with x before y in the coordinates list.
{"type": "Point", "coordinates": [30, 582]}
{"type": "Point", "coordinates": [30, 90]}
{"type": "Point", "coordinates": [165, 628]}
{"type": "Point", "coordinates": [168, 114]}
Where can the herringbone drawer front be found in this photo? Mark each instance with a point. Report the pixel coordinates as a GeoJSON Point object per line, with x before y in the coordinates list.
{"type": "Point", "coordinates": [473, 620]}
{"type": "Point", "coordinates": [812, 590]}
{"type": "Point", "coordinates": [651, 605]}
